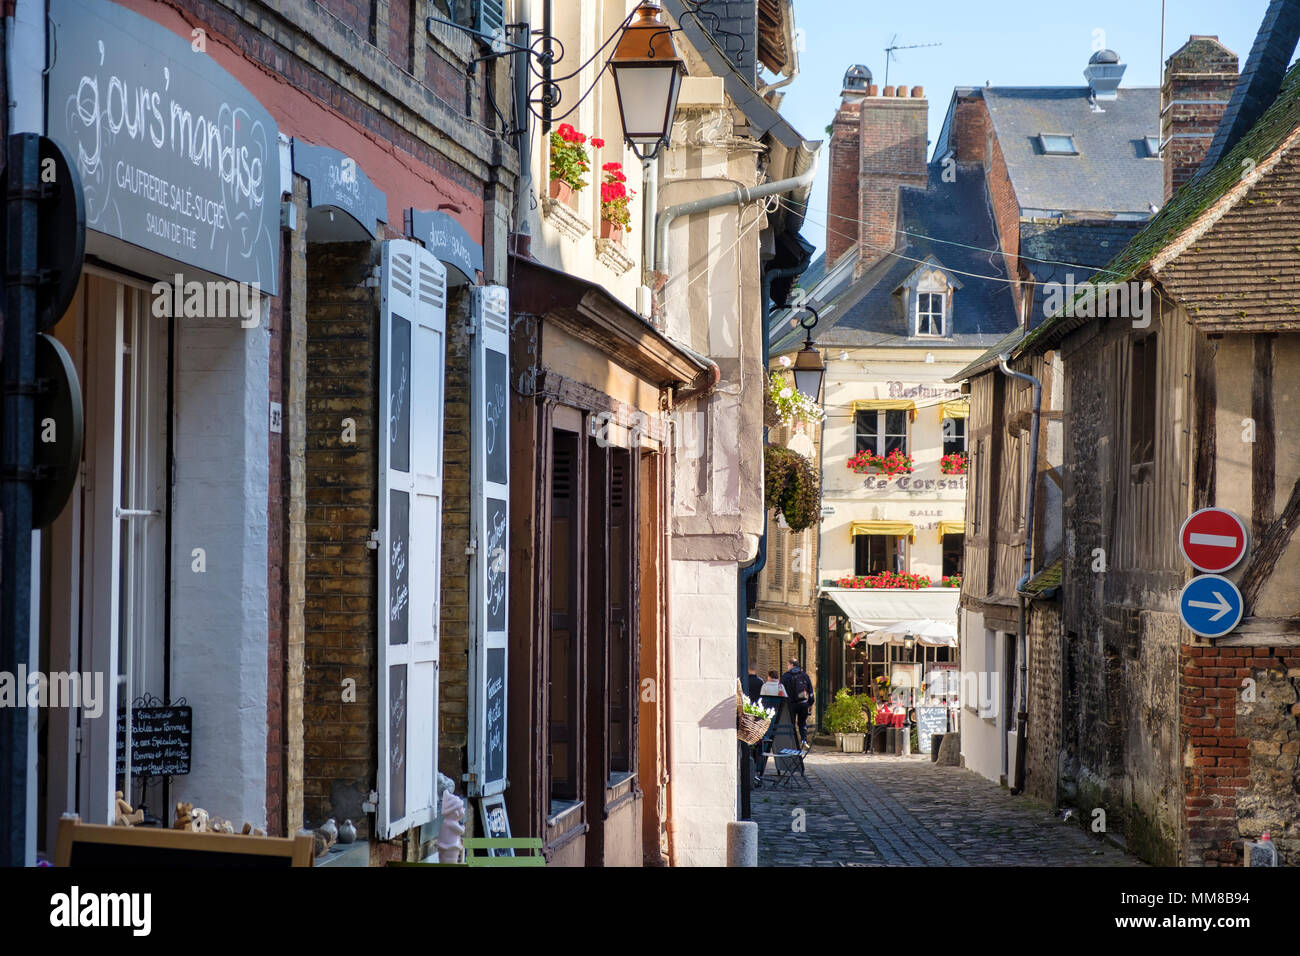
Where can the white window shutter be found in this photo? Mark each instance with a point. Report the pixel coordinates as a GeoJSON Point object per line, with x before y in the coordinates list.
{"type": "Point", "coordinates": [412, 330]}
{"type": "Point", "coordinates": [490, 528]}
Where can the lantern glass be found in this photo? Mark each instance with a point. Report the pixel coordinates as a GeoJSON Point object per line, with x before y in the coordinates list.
{"type": "Point", "coordinates": [809, 371]}
{"type": "Point", "coordinates": [647, 101]}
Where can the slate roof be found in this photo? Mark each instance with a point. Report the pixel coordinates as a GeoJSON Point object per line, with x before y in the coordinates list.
{"type": "Point", "coordinates": [1187, 208]}
{"type": "Point", "coordinates": [1046, 581]}
{"type": "Point", "coordinates": [868, 313]}
{"type": "Point", "coordinates": [1112, 173]}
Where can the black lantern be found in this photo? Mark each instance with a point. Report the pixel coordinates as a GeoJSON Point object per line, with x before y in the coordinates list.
{"type": "Point", "coordinates": [809, 370]}
{"type": "Point", "coordinates": [648, 77]}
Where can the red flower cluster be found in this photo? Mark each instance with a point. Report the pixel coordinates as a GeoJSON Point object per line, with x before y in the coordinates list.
{"type": "Point", "coordinates": [950, 582]}
{"type": "Point", "coordinates": [614, 195]}
{"type": "Point", "coordinates": [567, 133]}
{"type": "Point", "coordinates": [890, 580]}
{"type": "Point", "coordinates": [597, 142]}
{"type": "Point", "coordinates": [954, 464]}
{"type": "Point", "coordinates": [897, 462]}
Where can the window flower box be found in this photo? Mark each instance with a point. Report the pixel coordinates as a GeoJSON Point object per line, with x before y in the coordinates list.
{"type": "Point", "coordinates": [885, 581]}
{"type": "Point", "coordinates": [897, 462]}
{"type": "Point", "coordinates": [954, 464]}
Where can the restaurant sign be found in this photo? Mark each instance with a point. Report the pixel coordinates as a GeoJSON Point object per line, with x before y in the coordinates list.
{"type": "Point", "coordinates": [175, 155]}
{"type": "Point", "coordinates": [913, 485]}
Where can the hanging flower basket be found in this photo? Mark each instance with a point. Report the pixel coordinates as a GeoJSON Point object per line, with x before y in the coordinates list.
{"type": "Point", "coordinates": [752, 719]}
{"type": "Point", "coordinates": [792, 485]}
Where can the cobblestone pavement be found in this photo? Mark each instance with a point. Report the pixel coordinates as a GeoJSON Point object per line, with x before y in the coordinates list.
{"type": "Point", "coordinates": [867, 810]}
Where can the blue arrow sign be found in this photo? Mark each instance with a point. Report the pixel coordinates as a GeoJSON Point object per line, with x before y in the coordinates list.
{"type": "Point", "coordinates": [1211, 605]}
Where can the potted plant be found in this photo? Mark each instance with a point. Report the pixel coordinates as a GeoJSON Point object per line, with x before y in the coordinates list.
{"type": "Point", "coordinates": [614, 199]}
{"type": "Point", "coordinates": [847, 719]}
{"type": "Point", "coordinates": [954, 464]}
{"type": "Point", "coordinates": [786, 405]}
{"type": "Point", "coordinates": [752, 718]}
{"type": "Point", "coordinates": [569, 163]}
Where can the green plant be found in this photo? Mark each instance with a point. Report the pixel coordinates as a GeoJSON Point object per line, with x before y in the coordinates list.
{"type": "Point", "coordinates": [569, 160]}
{"type": "Point", "coordinates": [791, 405]}
{"type": "Point", "coordinates": [793, 486]}
{"type": "Point", "coordinates": [846, 716]}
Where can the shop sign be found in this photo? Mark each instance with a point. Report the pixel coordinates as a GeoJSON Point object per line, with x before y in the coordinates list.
{"type": "Point", "coordinates": [335, 179]}
{"type": "Point", "coordinates": [446, 239]}
{"type": "Point", "coordinates": [174, 154]}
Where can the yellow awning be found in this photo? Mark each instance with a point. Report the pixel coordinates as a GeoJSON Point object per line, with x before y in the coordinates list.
{"type": "Point", "coordinates": [897, 528]}
{"type": "Point", "coordinates": [958, 408]}
{"type": "Point", "coordinates": [886, 405]}
{"type": "Point", "coordinates": [951, 527]}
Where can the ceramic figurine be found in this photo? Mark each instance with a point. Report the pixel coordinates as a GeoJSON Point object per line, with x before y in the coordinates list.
{"type": "Point", "coordinates": [125, 816]}
{"type": "Point", "coordinates": [347, 832]}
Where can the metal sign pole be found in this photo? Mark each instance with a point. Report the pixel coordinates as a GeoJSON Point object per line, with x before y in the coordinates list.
{"type": "Point", "coordinates": [22, 273]}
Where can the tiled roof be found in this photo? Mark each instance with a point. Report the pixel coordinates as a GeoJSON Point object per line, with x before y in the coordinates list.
{"type": "Point", "coordinates": [868, 313]}
{"type": "Point", "coordinates": [1046, 579]}
{"type": "Point", "coordinates": [1187, 208]}
{"type": "Point", "coordinates": [1112, 173]}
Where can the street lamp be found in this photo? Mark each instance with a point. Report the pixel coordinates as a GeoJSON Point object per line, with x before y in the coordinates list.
{"type": "Point", "coordinates": [809, 370]}
{"type": "Point", "coordinates": [647, 77]}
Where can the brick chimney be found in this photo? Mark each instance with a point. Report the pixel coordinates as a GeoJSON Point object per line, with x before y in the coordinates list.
{"type": "Point", "coordinates": [892, 149]}
{"type": "Point", "coordinates": [845, 149]}
{"type": "Point", "coordinates": [1199, 79]}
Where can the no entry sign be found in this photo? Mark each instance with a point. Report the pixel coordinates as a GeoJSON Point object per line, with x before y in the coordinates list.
{"type": "Point", "coordinates": [1213, 540]}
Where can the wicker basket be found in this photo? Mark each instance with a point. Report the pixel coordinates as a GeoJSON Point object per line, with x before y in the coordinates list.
{"type": "Point", "coordinates": [749, 729]}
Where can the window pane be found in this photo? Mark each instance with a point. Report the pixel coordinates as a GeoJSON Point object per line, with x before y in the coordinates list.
{"type": "Point", "coordinates": [954, 435]}
{"type": "Point", "coordinates": [866, 427]}
{"type": "Point", "coordinates": [895, 431]}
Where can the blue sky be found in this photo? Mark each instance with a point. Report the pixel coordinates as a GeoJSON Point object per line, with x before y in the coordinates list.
{"type": "Point", "coordinates": [1004, 42]}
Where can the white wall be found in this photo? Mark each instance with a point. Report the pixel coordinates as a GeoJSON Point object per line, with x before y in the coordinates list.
{"type": "Point", "coordinates": [219, 617]}
{"type": "Point", "coordinates": [703, 667]}
{"type": "Point", "coordinates": [981, 738]}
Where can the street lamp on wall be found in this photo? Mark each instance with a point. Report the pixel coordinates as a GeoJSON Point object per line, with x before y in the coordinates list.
{"type": "Point", "coordinates": [647, 78]}
{"type": "Point", "coordinates": [809, 370]}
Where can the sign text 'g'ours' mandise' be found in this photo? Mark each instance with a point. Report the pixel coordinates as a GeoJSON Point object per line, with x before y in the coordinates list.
{"type": "Point", "coordinates": [174, 154]}
{"type": "Point", "coordinates": [336, 180]}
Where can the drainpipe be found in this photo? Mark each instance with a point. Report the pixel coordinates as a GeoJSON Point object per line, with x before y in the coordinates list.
{"type": "Point", "coordinates": [1023, 716]}
{"type": "Point", "coordinates": [650, 201]}
{"type": "Point", "coordinates": [752, 570]}
{"type": "Point", "coordinates": [740, 197]}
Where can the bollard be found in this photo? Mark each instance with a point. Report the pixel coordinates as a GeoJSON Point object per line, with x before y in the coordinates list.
{"type": "Point", "coordinates": [742, 843]}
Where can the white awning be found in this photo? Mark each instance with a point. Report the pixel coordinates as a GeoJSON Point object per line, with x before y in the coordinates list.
{"type": "Point", "coordinates": [869, 609]}
{"type": "Point", "coordinates": [754, 626]}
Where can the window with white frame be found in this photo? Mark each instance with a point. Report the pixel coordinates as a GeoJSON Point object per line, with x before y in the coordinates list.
{"type": "Point", "coordinates": [880, 431]}
{"type": "Point", "coordinates": [930, 313]}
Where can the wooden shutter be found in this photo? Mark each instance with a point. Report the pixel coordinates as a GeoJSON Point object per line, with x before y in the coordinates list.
{"type": "Point", "coordinates": [412, 327]}
{"type": "Point", "coordinates": [490, 524]}
{"type": "Point", "coordinates": [491, 16]}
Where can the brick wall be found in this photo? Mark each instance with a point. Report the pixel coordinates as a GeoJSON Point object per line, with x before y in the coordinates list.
{"type": "Point", "coordinates": [971, 128]}
{"type": "Point", "coordinates": [276, 574]}
{"type": "Point", "coordinates": [842, 189]}
{"type": "Point", "coordinates": [892, 152]}
{"type": "Point", "coordinates": [340, 738]}
{"type": "Point", "coordinates": [1199, 80]}
{"type": "Point", "coordinates": [453, 663]}
{"type": "Point", "coordinates": [1044, 740]}
{"type": "Point", "coordinates": [1006, 208]}
{"type": "Point", "coordinates": [399, 33]}
{"type": "Point", "coordinates": [1241, 744]}
{"type": "Point", "coordinates": [354, 14]}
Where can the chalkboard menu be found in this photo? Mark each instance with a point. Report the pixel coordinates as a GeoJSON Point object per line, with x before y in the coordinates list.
{"type": "Point", "coordinates": [930, 721]}
{"type": "Point", "coordinates": [397, 741]}
{"type": "Point", "coordinates": [399, 399]}
{"type": "Point", "coordinates": [495, 393]}
{"type": "Point", "coordinates": [399, 566]}
{"type": "Point", "coordinates": [161, 740]}
{"type": "Point", "coordinates": [496, 565]}
{"type": "Point", "coordinates": [495, 765]}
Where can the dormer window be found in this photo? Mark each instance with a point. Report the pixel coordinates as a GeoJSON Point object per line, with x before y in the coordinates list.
{"type": "Point", "coordinates": [1057, 144]}
{"type": "Point", "coordinates": [930, 313]}
{"type": "Point", "coordinates": [1153, 147]}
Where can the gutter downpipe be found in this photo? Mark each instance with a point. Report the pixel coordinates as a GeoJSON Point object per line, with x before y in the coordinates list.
{"type": "Point", "coordinates": [743, 195]}
{"type": "Point", "coordinates": [1022, 716]}
{"type": "Point", "coordinates": [751, 571]}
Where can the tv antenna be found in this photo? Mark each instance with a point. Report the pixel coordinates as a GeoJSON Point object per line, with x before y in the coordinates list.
{"type": "Point", "coordinates": [893, 45]}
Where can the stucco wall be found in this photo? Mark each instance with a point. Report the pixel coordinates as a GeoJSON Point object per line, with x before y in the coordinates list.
{"type": "Point", "coordinates": [219, 614]}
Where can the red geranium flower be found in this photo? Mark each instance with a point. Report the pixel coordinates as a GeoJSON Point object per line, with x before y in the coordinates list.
{"type": "Point", "coordinates": [598, 143]}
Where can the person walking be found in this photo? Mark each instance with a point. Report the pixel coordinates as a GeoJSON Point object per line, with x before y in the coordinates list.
{"type": "Point", "coordinates": [753, 685]}
{"type": "Point", "coordinates": [798, 688]}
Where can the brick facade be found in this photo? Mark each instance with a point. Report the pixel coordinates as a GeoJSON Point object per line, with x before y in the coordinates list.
{"type": "Point", "coordinates": [340, 738]}
{"type": "Point", "coordinates": [1043, 744]}
{"type": "Point", "coordinates": [842, 189]}
{"type": "Point", "coordinates": [1240, 741]}
{"type": "Point", "coordinates": [1199, 80]}
{"type": "Point", "coordinates": [892, 151]}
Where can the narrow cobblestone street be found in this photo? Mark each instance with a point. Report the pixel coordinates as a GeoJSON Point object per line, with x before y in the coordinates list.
{"type": "Point", "coordinates": [864, 810]}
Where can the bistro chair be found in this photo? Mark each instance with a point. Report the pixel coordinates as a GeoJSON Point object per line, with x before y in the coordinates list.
{"type": "Point", "coordinates": [786, 753]}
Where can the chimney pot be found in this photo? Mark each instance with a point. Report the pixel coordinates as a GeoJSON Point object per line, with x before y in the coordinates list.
{"type": "Point", "coordinates": [918, 92]}
{"type": "Point", "coordinates": [873, 90]}
{"type": "Point", "coordinates": [889, 91]}
{"type": "Point", "coordinates": [901, 91]}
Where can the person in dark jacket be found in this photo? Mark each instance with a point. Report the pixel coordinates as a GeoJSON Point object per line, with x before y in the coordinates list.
{"type": "Point", "coordinates": [799, 690]}
{"type": "Point", "coordinates": [753, 685]}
